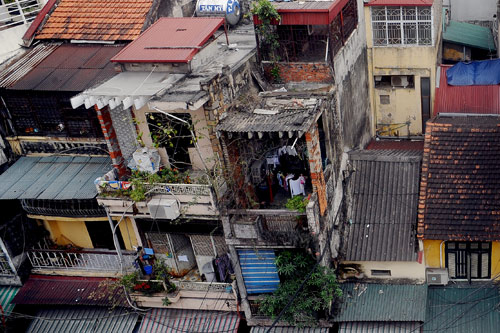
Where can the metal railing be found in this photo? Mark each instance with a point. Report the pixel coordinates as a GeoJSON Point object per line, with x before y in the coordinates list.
{"type": "Point", "coordinates": [204, 286]}
{"type": "Point", "coordinates": [18, 12]}
{"type": "Point", "coordinates": [105, 261]}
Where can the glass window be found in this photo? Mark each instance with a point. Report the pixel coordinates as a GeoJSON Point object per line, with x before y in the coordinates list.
{"type": "Point", "coordinates": [468, 260]}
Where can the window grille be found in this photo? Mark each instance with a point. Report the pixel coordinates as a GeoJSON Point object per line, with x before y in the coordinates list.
{"type": "Point", "coordinates": [402, 26]}
{"type": "Point", "coordinates": [5, 269]}
{"type": "Point", "coordinates": [468, 260]}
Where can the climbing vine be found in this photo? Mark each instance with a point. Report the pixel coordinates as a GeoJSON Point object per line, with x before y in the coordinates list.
{"type": "Point", "coordinates": [315, 299]}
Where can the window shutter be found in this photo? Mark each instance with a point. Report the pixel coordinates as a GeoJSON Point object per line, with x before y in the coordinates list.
{"type": "Point", "coordinates": [452, 265]}
{"type": "Point", "coordinates": [485, 265]}
{"type": "Point", "coordinates": [474, 265]}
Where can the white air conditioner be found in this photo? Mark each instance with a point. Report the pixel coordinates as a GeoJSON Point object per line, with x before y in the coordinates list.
{"type": "Point", "coordinates": [437, 276]}
{"type": "Point", "coordinates": [163, 208]}
{"type": "Point", "coordinates": [399, 81]}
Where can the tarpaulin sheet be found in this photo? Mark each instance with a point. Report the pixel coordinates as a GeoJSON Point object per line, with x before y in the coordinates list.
{"type": "Point", "coordinates": [476, 73]}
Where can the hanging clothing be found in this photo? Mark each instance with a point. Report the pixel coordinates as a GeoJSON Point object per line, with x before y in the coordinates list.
{"type": "Point", "coordinates": [224, 268]}
{"type": "Point", "coordinates": [297, 186]}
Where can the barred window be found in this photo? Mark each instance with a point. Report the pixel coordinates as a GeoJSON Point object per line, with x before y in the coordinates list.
{"type": "Point", "coordinates": [468, 260]}
{"type": "Point", "coordinates": [402, 25]}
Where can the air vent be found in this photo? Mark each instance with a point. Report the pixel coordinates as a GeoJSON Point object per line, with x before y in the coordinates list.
{"type": "Point", "coordinates": [162, 208]}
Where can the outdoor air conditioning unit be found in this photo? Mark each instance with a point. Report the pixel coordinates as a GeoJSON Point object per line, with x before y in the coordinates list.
{"type": "Point", "coordinates": [162, 208]}
{"type": "Point", "coordinates": [399, 81]}
{"type": "Point", "coordinates": [437, 276]}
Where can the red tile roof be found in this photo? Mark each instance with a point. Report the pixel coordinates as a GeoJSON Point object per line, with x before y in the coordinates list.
{"type": "Point", "coordinates": [460, 181]}
{"type": "Point", "coordinates": [400, 3]}
{"type": "Point", "coordinates": [96, 20]}
{"type": "Point", "coordinates": [64, 290]}
{"type": "Point", "coordinates": [66, 67]}
{"type": "Point", "coordinates": [28, 35]}
{"type": "Point", "coordinates": [170, 39]}
{"type": "Point", "coordinates": [466, 99]}
{"type": "Point", "coordinates": [395, 145]}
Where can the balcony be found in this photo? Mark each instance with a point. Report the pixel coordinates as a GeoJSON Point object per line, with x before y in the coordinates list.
{"type": "Point", "coordinates": [86, 262]}
{"type": "Point", "coordinates": [14, 13]}
{"type": "Point", "coordinates": [196, 199]}
{"type": "Point", "coordinates": [279, 227]}
{"type": "Point", "coordinates": [215, 296]}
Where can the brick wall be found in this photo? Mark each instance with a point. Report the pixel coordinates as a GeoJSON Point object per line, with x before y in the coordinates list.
{"type": "Point", "coordinates": [111, 140]}
{"type": "Point", "coordinates": [301, 72]}
{"type": "Point", "coordinates": [316, 167]}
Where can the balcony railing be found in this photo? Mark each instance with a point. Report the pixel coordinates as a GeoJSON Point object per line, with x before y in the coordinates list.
{"type": "Point", "coordinates": [18, 12]}
{"type": "Point", "coordinates": [101, 261]}
{"type": "Point", "coordinates": [204, 286]}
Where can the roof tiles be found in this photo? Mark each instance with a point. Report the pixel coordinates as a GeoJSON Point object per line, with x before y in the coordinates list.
{"type": "Point", "coordinates": [460, 183]}
{"type": "Point", "coordinates": [96, 20]}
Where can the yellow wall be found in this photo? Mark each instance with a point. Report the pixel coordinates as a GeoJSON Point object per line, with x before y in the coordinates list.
{"type": "Point", "coordinates": [432, 253]}
{"type": "Point", "coordinates": [64, 231]}
{"type": "Point", "coordinates": [405, 103]}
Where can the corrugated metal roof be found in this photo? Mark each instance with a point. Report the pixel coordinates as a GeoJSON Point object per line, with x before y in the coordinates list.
{"type": "Point", "coordinates": [78, 319]}
{"type": "Point", "coordinates": [7, 294]}
{"type": "Point", "coordinates": [379, 327]}
{"type": "Point", "coordinates": [19, 68]}
{"type": "Point", "coordinates": [259, 270]}
{"type": "Point", "coordinates": [382, 302]}
{"type": "Point", "coordinates": [465, 99]}
{"type": "Point", "coordinates": [400, 3]}
{"type": "Point", "coordinates": [68, 290]}
{"type": "Point", "coordinates": [96, 20]}
{"type": "Point", "coordinates": [53, 177]}
{"type": "Point", "coordinates": [396, 144]}
{"type": "Point", "coordinates": [289, 329]}
{"type": "Point", "coordinates": [66, 67]}
{"type": "Point", "coordinates": [185, 37]}
{"type": "Point", "coordinates": [463, 309]}
{"type": "Point", "coordinates": [307, 12]}
{"type": "Point", "coordinates": [469, 35]}
{"type": "Point", "coordinates": [175, 320]}
{"type": "Point", "coordinates": [383, 209]}
{"type": "Point", "coordinates": [297, 119]}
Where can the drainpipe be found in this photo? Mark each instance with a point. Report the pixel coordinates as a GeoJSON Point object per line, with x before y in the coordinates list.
{"type": "Point", "coordinates": [115, 239]}
{"type": "Point", "coordinates": [441, 254]}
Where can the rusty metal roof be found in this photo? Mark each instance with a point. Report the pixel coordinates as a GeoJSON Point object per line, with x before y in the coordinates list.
{"type": "Point", "coordinates": [307, 12]}
{"type": "Point", "coordinates": [383, 210]}
{"type": "Point", "coordinates": [396, 144]}
{"type": "Point", "coordinates": [56, 67]}
{"type": "Point", "coordinates": [170, 39]}
{"type": "Point", "coordinates": [465, 99]}
{"type": "Point", "coordinates": [68, 290]}
{"type": "Point", "coordinates": [96, 20]}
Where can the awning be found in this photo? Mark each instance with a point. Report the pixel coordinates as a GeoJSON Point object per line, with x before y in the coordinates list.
{"type": "Point", "coordinates": [259, 270]}
{"type": "Point", "coordinates": [467, 34]}
{"type": "Point", "coordinates": [129, 88]}
{"type": "Point", "coordinates": [289, 329]}
{"type": "Point", "coordinates": [175, 320]}
{"type": "Point", "coordinates": [53, 177]}
{"type": "Point", "coordinates": [77, 319]}
{"type": "Point", "coordinates": [68, 290]}
{"type": "Point", "coordinates": [7, 294]}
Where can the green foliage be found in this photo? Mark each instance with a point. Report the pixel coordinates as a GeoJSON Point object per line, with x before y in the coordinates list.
{"type": "Point", "coordinates": [129, 280]}
{"type": "Point", "coordinates": [315, 298]}
{"type": "Point", "coordinates": [297, 203]}
{"type": "Point", "coordinates": [267, 14]}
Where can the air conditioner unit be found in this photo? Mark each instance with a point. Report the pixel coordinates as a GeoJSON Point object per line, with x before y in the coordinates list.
{"type": "Point", "coordinates": [437, 276]}
{"type": "Point", "coordinates": [399, 81]}
{"type": "Point", "coordinates": [163, 208]}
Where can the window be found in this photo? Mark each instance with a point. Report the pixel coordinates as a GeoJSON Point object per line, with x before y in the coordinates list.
{"type": "Point", "coordinates": [381, 272]}
{"type": "Point", "coordinates": [402, 25]}
{"type": "Point", "coordinates": [468, 260]}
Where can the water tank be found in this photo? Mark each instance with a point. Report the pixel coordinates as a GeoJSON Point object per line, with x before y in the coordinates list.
{"type": "Point", "coordinates": [230, 9]}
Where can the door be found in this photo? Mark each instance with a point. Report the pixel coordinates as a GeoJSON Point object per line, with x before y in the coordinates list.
{"type": "Point", "coordinates": [425, 95]}
{"type": "Point", "coordinates": [101, 235]}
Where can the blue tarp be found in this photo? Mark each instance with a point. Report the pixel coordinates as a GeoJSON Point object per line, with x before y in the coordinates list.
{"type": "Point", "coordinates": [475, 73]}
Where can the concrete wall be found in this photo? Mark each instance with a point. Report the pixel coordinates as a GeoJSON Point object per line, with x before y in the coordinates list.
{"type": "Point", "coordinates": [399, 269]}
{"type": "Point", "coordinates": [404, 103]}
{"type": "Point", "coordinates": [466, 10]}
{"type": "Point", "coordinates": [10, 39]}
{"type": "Point", "coordinates": [351, 81]}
